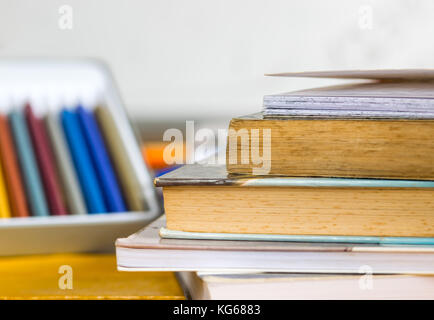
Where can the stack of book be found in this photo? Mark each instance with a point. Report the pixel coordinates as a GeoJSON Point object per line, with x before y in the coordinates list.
{"type": "Point", "coordinates": [327, 193]}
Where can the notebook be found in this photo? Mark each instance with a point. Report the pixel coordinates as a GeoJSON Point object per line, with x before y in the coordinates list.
{"type": "Point", "coordinates": [299, 286]}
{"type": "Point", "coordinates": [147, 251]}
{"type": "Point", "coordinates": [402, 94]}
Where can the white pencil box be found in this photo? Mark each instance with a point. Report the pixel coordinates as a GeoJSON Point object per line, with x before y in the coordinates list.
{"type": "Point", "coordinates": [50, 84]}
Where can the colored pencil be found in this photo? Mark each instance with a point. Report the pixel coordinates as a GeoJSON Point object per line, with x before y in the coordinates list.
{"type": "Point", "coordinates": [124, 169]}
{"type": "Point", "coordinates": [5, 211]}
{"type": "Point", "coordinates": [101, 160]}
{"type": "Point", "coordinates": [12, 174]}
{"type": "Point", "coordinates": [45, 162]}
{"type": "Point", "coordinates": [26, 157]}
{"type": "Point", "coordinates": [73, 196]}
{"type": "Point", "coordinates": [83, 162]}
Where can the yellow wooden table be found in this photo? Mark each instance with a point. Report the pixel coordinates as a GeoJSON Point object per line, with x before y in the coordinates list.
{"type": "Point", "coordinates": [91, 276]}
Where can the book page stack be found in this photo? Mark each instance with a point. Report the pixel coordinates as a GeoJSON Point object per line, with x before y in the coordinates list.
{"type": "Point", "coordinates": [326, 194]}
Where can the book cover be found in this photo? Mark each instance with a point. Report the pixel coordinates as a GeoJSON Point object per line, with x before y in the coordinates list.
{"type": "Point", "coordinates": [331, 147]}
{"type": "Point", "coordinates": [217, 175]}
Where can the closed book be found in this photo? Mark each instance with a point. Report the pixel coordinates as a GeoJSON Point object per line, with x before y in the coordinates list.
{"type": "Point", "coordinates": [147, 251]}
{"type": "Point", "coordinates": [331, 147]}
{"type": "Point", "coordinates": [301, 286]}
{"type": "Point", "coordinates": [206, 199]}
{"type": "Point", "coordinates": [398, 94]}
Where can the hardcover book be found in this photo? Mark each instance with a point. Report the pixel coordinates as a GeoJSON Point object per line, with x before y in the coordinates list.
{"type": "Point", "coordinates": [206, 199]}
{"type": "Point", "coordinates": [331, 147]}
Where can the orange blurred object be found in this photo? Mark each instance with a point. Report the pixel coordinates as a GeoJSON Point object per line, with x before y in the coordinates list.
{"type": "Point", "coordinates": [153, 154]}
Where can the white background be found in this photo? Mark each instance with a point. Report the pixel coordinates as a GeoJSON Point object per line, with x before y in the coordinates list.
{"type": "Point", "coordinates": [185, 59]}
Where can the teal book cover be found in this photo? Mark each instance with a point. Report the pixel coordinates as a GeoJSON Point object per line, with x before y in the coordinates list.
{"type": "Point", "coordinates": [411, 241]}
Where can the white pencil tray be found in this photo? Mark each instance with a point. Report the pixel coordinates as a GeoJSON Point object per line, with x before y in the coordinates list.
{"type": "Point", "coordinates": [49, 84]}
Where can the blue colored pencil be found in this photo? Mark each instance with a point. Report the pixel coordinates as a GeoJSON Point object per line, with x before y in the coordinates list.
{"type": "Point", "coordinates": [32, 180]}
{"type": "Point", "coordinates": [101, 160]}
{"type": "Point", "coordinates": [83, 162]}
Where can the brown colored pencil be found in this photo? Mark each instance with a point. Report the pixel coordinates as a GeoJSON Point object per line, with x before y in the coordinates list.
{"type": "Point", "coordinates": [8, 156]}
